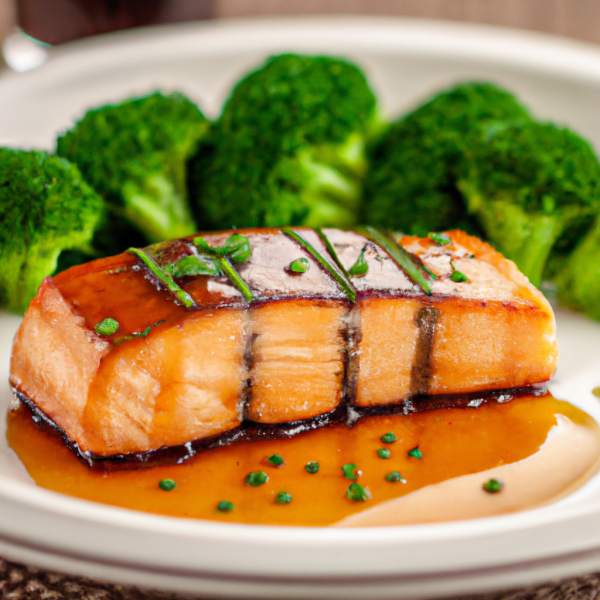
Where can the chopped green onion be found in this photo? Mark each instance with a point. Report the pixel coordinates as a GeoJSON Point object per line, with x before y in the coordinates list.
{"type": "Point", "coordinates": [276, 460]}
{"type": "Point", "coordinates": [458, 277]}
{"type": "Point", "coordinates": [237, 247]}
{"type": "Point", "coordinates": [312, 467]}
{"type": "Point", "coordinates": [350, 471]}
{"type": "Point", "coordinates": [388, 438]}
{"type": "Point", "coordinates": [300, 265]}
{"type": "Point", "coordinates": [167, 485]}
{"type": "Point", "coordinates": [357, 493]}
{"type": "Point", "coordinates": [493, 486]}
{"type": "Point", "coordinates": [256, 478]}
{"type": "Point", "coordinates": [196, 265]}
{"type": "Point", "coordinates": [360, 267]}
{"type": "Point", "coordinates": [415, 452]}
{"type": "Point", "coordinates": [400, 256]}
{"type": "Point", "coordinates": [225, 506]}
{"type": "Point", "coordinates": [165, 277]}
{"type": "Point", "coordinates": [383, 453]}
{"type": "Point", "coordinates": [340, 278]}
{"type": "Point", "coordinates": [395, 477]}
{"type": "Point", "coordinates": [440, 238]}
{"type": "Point", "coordinates": [107, 326]}
{"type": "Point", "coordinates": [283, 498]}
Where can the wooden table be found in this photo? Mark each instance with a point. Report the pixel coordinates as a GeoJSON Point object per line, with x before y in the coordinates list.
{"type": "Point", "coordinates": [575, 18]}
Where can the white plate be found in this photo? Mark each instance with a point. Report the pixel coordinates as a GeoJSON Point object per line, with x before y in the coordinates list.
{"type": "Point", "coordinates": [406, 59]}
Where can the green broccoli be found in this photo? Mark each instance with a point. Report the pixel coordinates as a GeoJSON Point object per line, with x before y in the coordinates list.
{"type": "Point", "coordinates": [532, 187]}
{"type": "Point", "coordinates": [411, 183]}
{"type": "Point", "coordinates": [289, 148]}
{"type": "Point", "coordinates": [579, 278]}
{"type": "Point", "coordinates": [134, 154]}
{"type": "Point", "coordinates": [46, 208]}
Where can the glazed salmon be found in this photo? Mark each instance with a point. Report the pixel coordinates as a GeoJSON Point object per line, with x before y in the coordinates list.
{"type": "Point", "coordinates": [306, 324]}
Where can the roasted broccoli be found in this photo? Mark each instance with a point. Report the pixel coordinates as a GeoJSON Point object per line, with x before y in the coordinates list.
{"type": "Point", "coordinates": [532, 187]}
{"type": "Point", "coordinates": [411, 183]}
{"type": "Point", "coordinates": [46, 208]}
{"type": "Point", "coordinates": [134, 154]}
{"type": "Point", "coordinates": [579, 278]}
{"type": "Point", "coordinates": [289, 148]}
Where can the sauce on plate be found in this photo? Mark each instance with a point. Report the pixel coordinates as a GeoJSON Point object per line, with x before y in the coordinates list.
{"type": "Point", "coordinates": [539, 448]}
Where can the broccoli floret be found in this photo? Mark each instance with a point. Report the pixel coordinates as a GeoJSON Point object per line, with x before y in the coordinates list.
{"type": "Point", "coordinates": [579, 278]}
{"type": "Point", "coordinates": [46, 208]}
{"type": "Point", "coordinates": [532, 187]}
{"type": "Point", "coordinates": [134, 154]}
{"type": "Point", "coordinates": [411, 184]}
{"type": "Point", "coordinates": [289, 148]}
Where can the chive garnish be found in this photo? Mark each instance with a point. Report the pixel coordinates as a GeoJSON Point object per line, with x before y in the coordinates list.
{"type": "Point", "coordinates": [312, 467]}
{"type": "Point", "coordinates": [107, 326]}
{"type": "Point", "coordinates": [360, 267]}
{"type": "Point", "coordinates": [340, 278]}
{"type": "Point", "coordinates": [256, 478]}
{"type": "Point", "coordinates": [415, 452]}
{"type": "Point", "coordinates": [165, 276]}
{"type": "Point", "coordinates": [236, 247]}
{"type": "Point", "coordinates": [399, 255]}
{"type": "Point", "coordinates": [440, 238]}
{"type": "Point", "coordinates": [167, 485]}
{"type": "Point", "coordinates": [237, 281]}
{"type": "Point", "coordinates": [300, 265]}
{"type": "Point", "coordinates": [350, 471]}
{"type": "Point", "coordinates": [388, 438]}
{"type": "Point", "coordinates": [395, 477]}
{"type": "Point", "coordinates": [493, 486]}
{"type": "Point", "coordinates": [276, 460]}
{"type": "Point", "coordinates": [140, 334]}
{"type": "Point", "coordinates": [283, 498]}
{"type": "Point", "coordinates": [383, 453]}
{"type": "Point", "coordinates": [225, 506]}
{"type": "Point", "coordinates": [357, 492]}
{"type": "Point", "coordinates": [332, 252]}
{"type": "Point", "coordinates": [137, 334]}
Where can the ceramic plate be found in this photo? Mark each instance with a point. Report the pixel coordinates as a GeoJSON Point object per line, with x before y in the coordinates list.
{"type": "Point", "coordinates": [406, 60]}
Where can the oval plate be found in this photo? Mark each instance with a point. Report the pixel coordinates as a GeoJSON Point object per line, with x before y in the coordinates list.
{"type": "Point", "coordinates": [406, 60]}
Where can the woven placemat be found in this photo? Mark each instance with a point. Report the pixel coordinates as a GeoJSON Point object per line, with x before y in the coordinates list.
{"type": "Point", "coordinates": [18, 582]}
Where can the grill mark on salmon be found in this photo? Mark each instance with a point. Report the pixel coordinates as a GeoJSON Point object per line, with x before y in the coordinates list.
{"type": "Point", "coordinates": [421, 371]}
{"type": "Point", "coordinates": [300, 350]}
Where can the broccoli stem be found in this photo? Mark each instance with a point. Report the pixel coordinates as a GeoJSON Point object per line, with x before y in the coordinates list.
{"type": "Point", "coordinates": [157, 209]}
{"type": "Point", "coordinates": [331, 196]}
{"type": "Point", "coordinates": [579, 280]}
{"type": "Point", "coordinates": [524, 237]}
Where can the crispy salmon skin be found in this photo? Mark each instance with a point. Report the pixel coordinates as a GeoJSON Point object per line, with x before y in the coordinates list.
{"type": "Point", "coordinates": [305, 323]}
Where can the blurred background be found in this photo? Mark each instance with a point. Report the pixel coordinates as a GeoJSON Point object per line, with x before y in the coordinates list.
{"type": "Point", "coordinates": [57, 21]}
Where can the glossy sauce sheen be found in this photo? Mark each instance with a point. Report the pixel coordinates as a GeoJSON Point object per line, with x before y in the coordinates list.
{"type": "Point", "coordinates": [453, 442]}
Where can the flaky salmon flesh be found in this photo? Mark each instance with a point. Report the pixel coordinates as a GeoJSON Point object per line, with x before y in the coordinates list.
{"type": "Point", "coordinates": [364, 320]}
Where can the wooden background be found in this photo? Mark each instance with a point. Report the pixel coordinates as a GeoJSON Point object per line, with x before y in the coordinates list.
{"type": "Point", "coordinates": [56, 21]}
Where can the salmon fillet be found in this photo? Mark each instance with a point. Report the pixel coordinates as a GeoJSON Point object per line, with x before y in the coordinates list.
{"type": "Point", "coordinates": [203, 355]}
